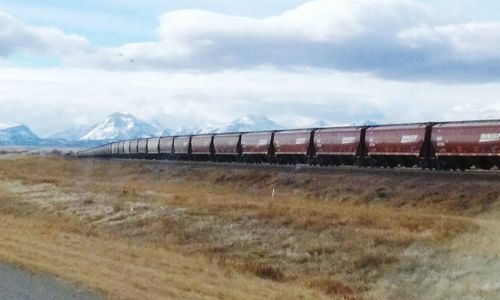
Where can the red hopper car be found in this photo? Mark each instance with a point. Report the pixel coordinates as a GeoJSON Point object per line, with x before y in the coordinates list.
{"type": "Point", "coordinates": [404, 145]}
{"type": "Point", "coordinates": [293, 146]}
{"type": "Point", "coordinates": [257, 147]}
{"type": "Point", "coordinates": [340, 145]}
{"type": "Point", "coordinates": [227, 146]}
{"type": "Point", "coordinates": [460, 145]}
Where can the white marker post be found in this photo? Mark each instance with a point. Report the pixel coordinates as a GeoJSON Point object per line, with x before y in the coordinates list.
{"type": "Point", "coordinates": [272, 196]}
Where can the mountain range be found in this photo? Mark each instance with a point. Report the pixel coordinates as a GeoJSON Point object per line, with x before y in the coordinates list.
{"type": "Point", "coordinates": [120, 126]}
{"type": "Point", "coordinates": [21, 135]}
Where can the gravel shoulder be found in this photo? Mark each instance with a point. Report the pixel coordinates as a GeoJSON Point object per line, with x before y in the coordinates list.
{"type": "Point", "coordinates": [17, 284]}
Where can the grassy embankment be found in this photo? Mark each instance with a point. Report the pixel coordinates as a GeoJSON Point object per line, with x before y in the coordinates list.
{"type": "Point", "coordinates": [138, 230]}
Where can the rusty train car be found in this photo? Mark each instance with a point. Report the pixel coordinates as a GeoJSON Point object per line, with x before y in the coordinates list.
{"type": "Point", "coordinates": [434, 145]}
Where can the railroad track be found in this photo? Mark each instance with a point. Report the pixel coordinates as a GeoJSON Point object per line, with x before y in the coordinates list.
{"type": "Point", "coordinates": [491, 175]}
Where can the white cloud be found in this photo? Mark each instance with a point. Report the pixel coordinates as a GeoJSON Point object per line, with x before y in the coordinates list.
{"type": "Point", "coordinates": [202, 39]}
{"type": "Point", "coordinates": [466, 40]}
{"type": "Point", "coordinates": [396, 39]}
{"type": "Point", "coordinates": [16, 36]}
{"type": "Point", "coordinates": [400, 39]}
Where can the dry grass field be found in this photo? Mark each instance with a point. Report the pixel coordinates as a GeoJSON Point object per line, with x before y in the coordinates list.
{"type": "Point", "coordinates": [142, 230]}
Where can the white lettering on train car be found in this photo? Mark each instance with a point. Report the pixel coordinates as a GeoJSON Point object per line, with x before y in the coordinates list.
{"type": "Point", "coordinates": [439, 141]}
{"type": "Point", "coordinates": [262, 142]}
{"type": "Point", "coordinates": [409, 138]}
{"type": "Point", "coordinates": [489, 137]}
{"type": "Point", "coordinates": [348, 139]}
{"type": "Point", "coordinates": [300, 141]}
{"type": "Point", "coordinates": [371, 142]}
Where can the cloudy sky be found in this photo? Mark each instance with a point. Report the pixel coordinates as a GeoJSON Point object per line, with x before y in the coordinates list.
{"type": "Point", "coordinates": [71, 63]}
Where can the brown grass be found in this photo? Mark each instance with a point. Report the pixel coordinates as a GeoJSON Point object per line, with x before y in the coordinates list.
{"type": "Point", "coordinates": [127, 271]}
{"type": "Point", "coordinates": [328, 232]}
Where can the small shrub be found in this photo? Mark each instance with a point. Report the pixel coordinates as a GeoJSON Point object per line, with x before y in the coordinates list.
{"type": "Point", "coordinates": [117, 207]}
{"type": "Point", "coordinates": [267, 271]}
{"type": "Point", "coordinates": [340, 288]}
{"type": "Point", "coordinates": [88, 201]}
{"type": "Point", "coordinates": [374, 260]}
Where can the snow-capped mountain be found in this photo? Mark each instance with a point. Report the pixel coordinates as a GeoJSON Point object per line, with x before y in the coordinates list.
{"type": "Point", "coordinates": [209, 129]}
{"type": "Point", "coordinates": [180, 130]}
{"type": "Point", "coordinates": [250, 123]}
{"type": "Point", "coordinates": [18, 135]}
{"type": "Point", "coordinates": [320, 124]}
{"type": "Point", "coordinates": [120, 126]}
{"type": "Point", "coordinates": [21, 135]}
{"type": "Point", "coordinates": [242, 124]}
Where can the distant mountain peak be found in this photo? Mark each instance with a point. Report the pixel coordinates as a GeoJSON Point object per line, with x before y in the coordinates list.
{"type": "Point", "coordinates": [18, 135]}
{"type": "Point", "coordinates": [119, 126]}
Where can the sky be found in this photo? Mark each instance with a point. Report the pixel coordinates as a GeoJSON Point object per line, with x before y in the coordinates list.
{"type": "Point", "coordinates": [190, 63]}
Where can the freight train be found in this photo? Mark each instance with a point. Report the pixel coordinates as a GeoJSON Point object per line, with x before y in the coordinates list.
{"type": "Point", "coordinates": [433, 145]}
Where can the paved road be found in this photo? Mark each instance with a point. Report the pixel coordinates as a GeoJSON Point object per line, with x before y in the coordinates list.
{"type": "Point", "coordinates": [17, 284]}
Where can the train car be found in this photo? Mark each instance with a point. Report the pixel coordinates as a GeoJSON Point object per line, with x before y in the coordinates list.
{"type": "Point", "coordinates": [166, 147]}
{"type": "Point", "coordinates": [202, 147]}
{"type": "Point", "coordinates": [339, 146]}
{"type": "Point", "coordinates": [105, 151]}
{"type": "Point", "coordinates": [405, 145]}
{"type": "Point", "coordinates": [120, 149]}
{"type": "Point", "coordinates": [461, 145]}
{"type": "Point", "coordinates": [115, 149]}
{"type": "Point", "coordinates": [142, 148]}
{"type": "Point", "coordinates": [257, 147]}
{"type": "Point", "coordinates": [109, 150]}
{"type": "Point", "coordinates": [134, 151]}
{"type": "Point", "coordinates": [126, 149]}
{"type": "Point", "coordinates": [153, 148]}
{"type": "Point", "coordinates": [83, 153]}
{"type": "Point", "coordinates": [227, 146]}
{"type": "Point", "coordinates": [182, 147]}
{"type": "Point", "coordinates": [293, 146]}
